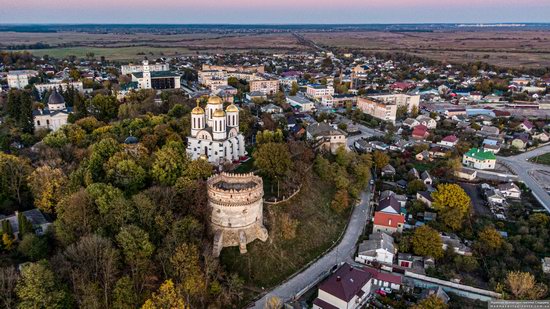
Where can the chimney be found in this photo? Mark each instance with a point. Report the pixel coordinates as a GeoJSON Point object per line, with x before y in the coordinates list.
{"type": "Point", "coordinates": [338, 278]}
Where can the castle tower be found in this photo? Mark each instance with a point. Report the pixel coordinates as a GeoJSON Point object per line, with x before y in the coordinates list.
{"type": "Point", "coordinates": [146, 84]}
{"type": "Point", "coordinates": [236, 201]}
{"type": "Point", "coordinates": [214, 103]}
{"type": "Point", "coordinates": [219, 128]}
{"type": "Point", "coordinates": [232, 113]}
{"type": "Point", "coordinates": [198, 121]}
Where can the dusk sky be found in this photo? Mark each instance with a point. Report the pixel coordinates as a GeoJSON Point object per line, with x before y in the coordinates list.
{"type": "Point", "coordinates": [273, 12]}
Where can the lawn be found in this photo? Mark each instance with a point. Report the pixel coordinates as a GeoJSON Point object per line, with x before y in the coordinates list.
{"type": "Point", "coordinates": [118, 53]}
{"type": "Point", "coordinates": [542, 159]}
{"type": "Point", "coordinates": [267, 264]}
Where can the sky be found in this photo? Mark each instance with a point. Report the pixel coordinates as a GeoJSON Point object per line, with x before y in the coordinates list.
{"type": "Point", "coordinates": [274, 12]}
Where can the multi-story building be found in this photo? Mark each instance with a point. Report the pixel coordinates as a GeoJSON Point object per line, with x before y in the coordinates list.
{"type": "Point", "coordinates": [147, 79]}
{"type": "Point", "coordinates": [400, 99]}
{"type": "Point", "coordinates": [339, 100]}
{"type": "Point", "coordinates": [20, 79]}
{"type": "Point", "coordinates": [479, 159]}
{"type": "Point", "coordinates": [268, 86]}
{"type": "Point", "coordinates": [300, 102]}
{"type": "Point", "coordinates": [138, 68]}
{"type": "Point", "coordinates": [318, 91]}
{"type": "Point", "coordinates": [383, 110]}
{"type": "Point", "coordinates": [43, 88]}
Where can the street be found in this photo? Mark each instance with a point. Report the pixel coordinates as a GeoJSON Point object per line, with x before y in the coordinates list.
{"type": "Point", "coordinates": [343, 252]}
{"type": "Point", "coordinates": [525, 169]}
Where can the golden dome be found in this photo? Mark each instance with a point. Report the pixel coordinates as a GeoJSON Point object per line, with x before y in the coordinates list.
{"type": "Point", "coordinates": [232, 108]}
{"type": "Point", "coordinates": [219, 113]}
{"type": "Point", "coordinates": [215, 100]}
{"type": "Point", "coordinates": [197, 111]}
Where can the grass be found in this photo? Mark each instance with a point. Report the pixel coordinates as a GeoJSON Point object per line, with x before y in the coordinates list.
{"type": "Point", "coordinates": [267, 264]}
{"type": "Point", "coordinates": [114, 53]}
{"type": "Point", "coordinates": [542, 159]}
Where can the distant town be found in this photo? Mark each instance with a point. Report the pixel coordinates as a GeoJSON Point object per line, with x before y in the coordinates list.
{"type": "Point", "coordinates": [320, 178]}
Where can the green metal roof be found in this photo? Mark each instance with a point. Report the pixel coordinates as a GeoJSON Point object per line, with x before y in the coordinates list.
{"type": "Point", "coordinates": [480, 154]}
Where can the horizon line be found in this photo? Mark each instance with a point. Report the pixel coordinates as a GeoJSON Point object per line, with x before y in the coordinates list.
{"type": "Point", "coordinates": [277, 24]}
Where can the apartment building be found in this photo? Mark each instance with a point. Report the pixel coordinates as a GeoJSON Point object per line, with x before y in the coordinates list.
{"type": "Point", "coordinates": [268, 87]}
{"type": "Point", "coordinates": [400, 99]}
{"type": "Point", "coordinates": [378, 109]}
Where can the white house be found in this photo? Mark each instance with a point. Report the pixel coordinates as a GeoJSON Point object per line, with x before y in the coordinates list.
{"type": "Point", "coordinates": [300, 102]}
{"type": "Point", "coordinates": [378, 248]}
{"type": "Point", "coordinates": [19, 79]}
{"type": "Point", "coordinates": [479, 159]}
{"type": "Point", "coordinates": [317, 91]}
{"type": "Point", "coordinates": [510, 189]}
{"type": "Point", "coordinates": [429, 122]}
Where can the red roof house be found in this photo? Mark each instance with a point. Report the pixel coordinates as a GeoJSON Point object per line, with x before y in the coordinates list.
{"type": "Point", "coordinates": [420, 132]}
{"type": "Point", "coordinates": [388, 223]}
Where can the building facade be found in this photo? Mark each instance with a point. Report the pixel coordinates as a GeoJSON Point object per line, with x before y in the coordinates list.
{"type": "Point", "coordinates": [148, 79]}
{"type": "Point", "coordinates": [236, 201]}
{"type": "Point", "coordinates": [215, 133]}
{"type": "Point", "coordinates": [400, 99]}
{"type": "Point", "coordinates": [479, 159]}
{"type": "Point", "coordinates": [54, 116]}
{"type": "Point", "coordinates": [382, 110]}
{"type": "Point", "coordinates": [268, 87]}
{"type": "Point", "coordinates": [19, 79]}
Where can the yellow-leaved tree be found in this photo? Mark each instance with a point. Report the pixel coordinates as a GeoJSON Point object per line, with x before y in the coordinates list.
{"type": "Point", "coordinates": [452, 203]}
{"type": "Point", "coordinates": [167, 297]}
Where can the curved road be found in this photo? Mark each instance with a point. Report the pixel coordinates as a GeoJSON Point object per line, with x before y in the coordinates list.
{"type": "Point", "coordinates": [523, 168]}
{"type": "Point", "coordinates": [343, 252]}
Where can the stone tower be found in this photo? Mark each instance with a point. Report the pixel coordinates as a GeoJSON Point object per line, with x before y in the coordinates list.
{"type": "Point", "coordinates": [236, 201]}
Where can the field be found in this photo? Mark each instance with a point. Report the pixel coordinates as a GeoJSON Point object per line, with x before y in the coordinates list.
{"type": "Point", "coordinates": [267, 264]}
{"type": "Point", "coordinates": [503, 48]}
{"type": "Point", "coordinates": [528, 48]}
{"type": "Point", "coordinates": [542, 159]}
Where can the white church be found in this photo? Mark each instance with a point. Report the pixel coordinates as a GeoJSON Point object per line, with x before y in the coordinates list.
{"type": "Point", "coordinates": [54, 116]}
{"type": "Point", "coordinates": [215, 133]}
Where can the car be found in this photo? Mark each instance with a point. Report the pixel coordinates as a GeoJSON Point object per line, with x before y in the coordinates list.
{"type": "Point", "coordinates": [381, 292]}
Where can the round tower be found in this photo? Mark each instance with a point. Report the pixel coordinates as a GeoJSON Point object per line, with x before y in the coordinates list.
{"type": "Point", "coordinates": [219, 128]}
{"type": "Point", "coordinates": [197, 120]}
{"type": "Point", "coordinates": [236, 201]}
{"type": "Point", "coordinates": [232, 113]}
{"type": "Point", "coordinates": [214, 103]}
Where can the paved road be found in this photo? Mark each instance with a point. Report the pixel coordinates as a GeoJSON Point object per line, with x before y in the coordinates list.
{"type": "Point", "coordinates": [524, 169]}
{"type": "Point", "coordinates": [366, 132]}
{"type": "Point", "coordinates": [343, 252]}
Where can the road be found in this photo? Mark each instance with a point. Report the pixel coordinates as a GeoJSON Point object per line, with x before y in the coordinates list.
{"type": "Point", "coordinates": [343, 252]}
{"type": "Point", "coordinates": [524, 169]}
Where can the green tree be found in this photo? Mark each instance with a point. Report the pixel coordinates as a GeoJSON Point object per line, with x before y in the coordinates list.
{"type": "Point", "coordinates": [415, 186]}
{"type": "Point", "coordinates": [137, 250]}
{"type": "Point", "coordinates": [452, 203]}
{"type": "Point", "coordinates": [199, 169]}
{"type": "Point", "coordinates": [427, 242]}
{"type": "Point", "coordinates": [103, 107]}
{"type": "Point", "coordinates": [187, 269]}
{"type": "Point", "coordinates": [124, 295]}
{"type": "Point", "coordinates": [127, 175]}
{"type": "Point", "coordinates": [170, 163]}
{"type": "Point", "coordinates": [39, 288]}
{"type": "Point", "coordinates": [8, 281]}
{"type": "Point", "coordinates": [14, 171]}
{"type": "Point", "coordinates": [274, 160]}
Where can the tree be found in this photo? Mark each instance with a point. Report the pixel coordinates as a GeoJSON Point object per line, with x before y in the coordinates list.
{"type": "Point", "coordinates": [124, 295]}
{"type": "Point", "coordinates": [39, 288]}
{"type": "Point", "coordinates": [91, 265]}
{"type": "Point", "coordinates": [415, 186]}
{"type": "Point", "coordinates": [294, 88]}
{"type": "Point", "coordinates": [33, 247]}
{"type": "Point", "coordinates": [187, 269]}
{"type": "Point", "coordinates": [128, 175]}
{"type": "Point", "coordinates": [430, 302]}
{"type": "Point", "coordinates": [380, 159]}
{"type": "Point", "coordinates": [47, 185]}
{"type": "Point", "coordinates": [198, 169]}
{"type": "Point", "coordinates": [76, 216]}
{"type": "Point", "coordinates": [14, 171]}
{"type": "Point", "coordinates": [489, 240]}
{"type": "Point", "coordinates": [340, 201]}
{"type": "Point", "coordinates": [427, 242]}
{"type": "Point", "coordinates": [103, 107]}
{"type": "Point", "coordinates": [170, 163]}
{"type": "Point", "coordinates": [273, 159]}
{"type": "Point", "coordinates": [8, 280]}
{"type": "Point", "coordinates": [137, 251]}
{"type": "Point", "coordinates": [401, 111]}
{"type": "Point", "coordinates": [167, 297]}
{"type": "Point", "coordinates": [273, 302]}
{"type": "Point", "coordinates": [523, 285]}
{"type": "Point", "coordinates": [452, 203]}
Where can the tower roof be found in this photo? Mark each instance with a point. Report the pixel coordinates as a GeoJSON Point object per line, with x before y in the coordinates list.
{"type": "Point", "coordinates": [56, 98]}
{"type": "Point", "coordinates": [197, 110]}
{"type": "Point", "coordinates": [215, 100]}
{"type": "Point", "coordinates": [232, 109]}
{"type": "Point", "coordinates": [219, 113]}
